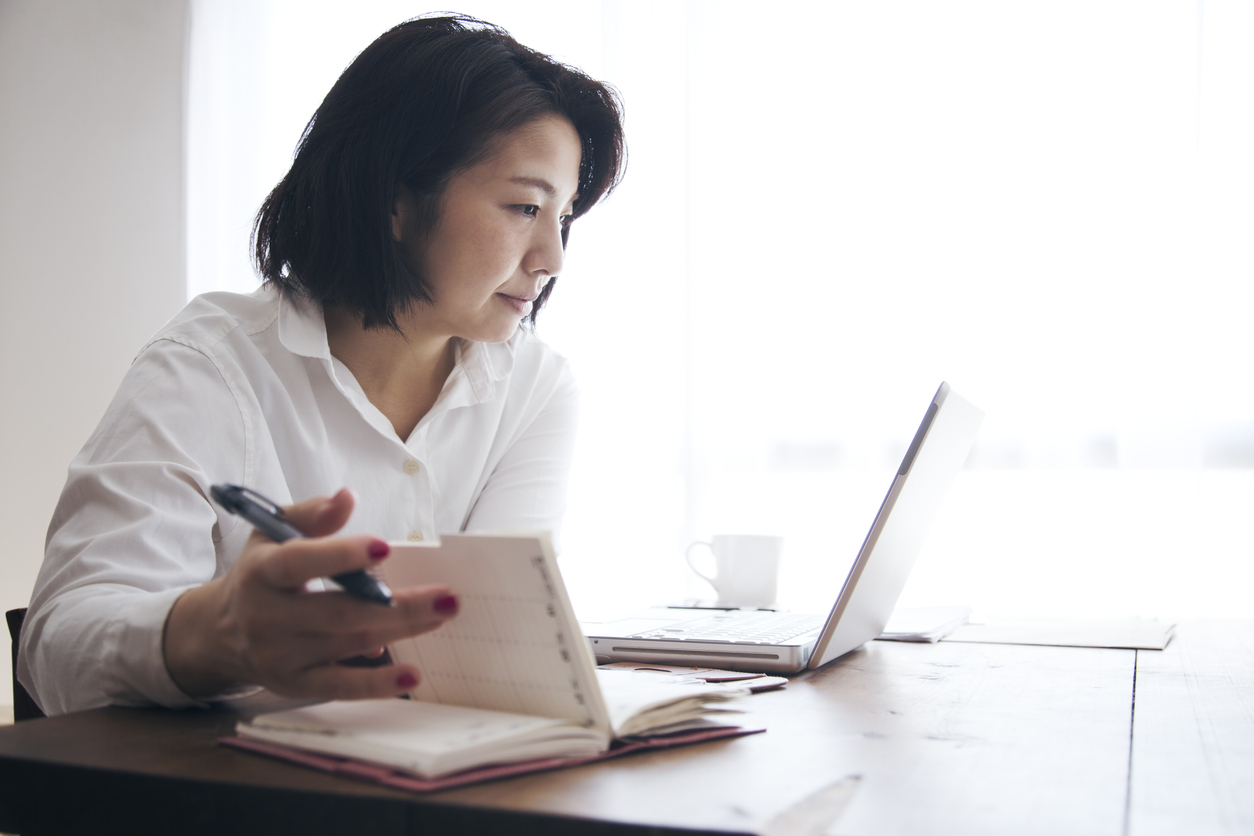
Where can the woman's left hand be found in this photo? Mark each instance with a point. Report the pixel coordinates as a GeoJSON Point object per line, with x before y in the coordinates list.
{"type": "Point", "coordinates": [258, 625]}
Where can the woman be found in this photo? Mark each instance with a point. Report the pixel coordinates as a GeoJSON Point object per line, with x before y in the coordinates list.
{"type": "Point", "coordinates": [423, 222]}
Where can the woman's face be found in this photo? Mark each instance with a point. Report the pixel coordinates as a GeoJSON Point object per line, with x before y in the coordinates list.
{"type": "Point", "coordinates": [498, 239]}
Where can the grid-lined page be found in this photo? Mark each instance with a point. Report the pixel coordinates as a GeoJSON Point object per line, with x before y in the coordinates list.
{"type": "Point", "coordinates": [514, 645]}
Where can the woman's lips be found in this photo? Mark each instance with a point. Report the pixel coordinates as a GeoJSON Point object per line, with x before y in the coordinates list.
{"type": "Point", "coordinates": [521, 304]}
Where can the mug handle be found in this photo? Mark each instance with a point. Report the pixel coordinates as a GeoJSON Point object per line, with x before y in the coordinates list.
{"type": "Point", "coordinates": [693, 567]}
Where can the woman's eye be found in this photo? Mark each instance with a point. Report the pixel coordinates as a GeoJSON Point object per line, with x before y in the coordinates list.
{"type": "Point", "coordinates": [528, 209]}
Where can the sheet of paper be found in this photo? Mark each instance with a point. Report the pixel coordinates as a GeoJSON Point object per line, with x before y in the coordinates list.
{"type": "Point", "coordinates": [1135, 634]}
{"type": "Point", "coordinates": [924, 624]}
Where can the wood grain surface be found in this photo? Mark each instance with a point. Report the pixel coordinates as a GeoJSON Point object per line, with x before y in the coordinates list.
{"type": "Point", "coordinates": [958, 738]}
{"type": "Point", "coordinates": [1193, 733]}
{"type": "Point", "coordinates": [962, 739]}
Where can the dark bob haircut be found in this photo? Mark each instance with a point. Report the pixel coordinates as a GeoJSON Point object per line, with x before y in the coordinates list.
{"type": "Point", "coordinates": [420, 104]}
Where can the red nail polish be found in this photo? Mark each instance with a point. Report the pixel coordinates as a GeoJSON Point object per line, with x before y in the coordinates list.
{"type": "Point", "coordinates": [378, 550]}
{"type": "Point", "coordinates": [446, 604]}
{"type": "Point", "coordinates": [406, 681]}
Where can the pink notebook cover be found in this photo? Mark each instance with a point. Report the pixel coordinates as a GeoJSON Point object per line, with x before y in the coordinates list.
{"type": "Point", "coordinates": [387, 776]}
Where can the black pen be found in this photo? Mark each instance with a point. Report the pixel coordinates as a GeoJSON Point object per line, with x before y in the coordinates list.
{"type": "Point", "coordinates": [268, 517]}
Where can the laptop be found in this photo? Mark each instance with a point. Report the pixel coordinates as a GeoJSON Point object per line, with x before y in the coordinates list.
{"type": "Point", "coordinates": [766, 641]}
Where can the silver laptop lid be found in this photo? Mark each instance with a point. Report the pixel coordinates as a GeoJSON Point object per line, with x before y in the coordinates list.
{"type": "Point", "coordinates": [870, 593]}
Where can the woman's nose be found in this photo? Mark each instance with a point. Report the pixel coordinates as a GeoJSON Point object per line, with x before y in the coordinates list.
{"type": "Point", "coordinates": [547, 253]}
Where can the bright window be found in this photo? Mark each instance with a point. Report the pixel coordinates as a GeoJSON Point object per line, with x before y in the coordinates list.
{"type": "Point", "coordinates": [829, 208]}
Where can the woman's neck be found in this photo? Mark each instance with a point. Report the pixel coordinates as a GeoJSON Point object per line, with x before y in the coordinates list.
{"type": "Point", "coordinates": [401, 374]}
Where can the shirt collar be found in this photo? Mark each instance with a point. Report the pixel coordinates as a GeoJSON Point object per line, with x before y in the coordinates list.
{"type": "Point", "coordinates": [302, 330]}
{"type": "Point", "coordinates": [483, 364]}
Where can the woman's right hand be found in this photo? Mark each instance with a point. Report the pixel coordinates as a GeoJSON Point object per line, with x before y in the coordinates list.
{"type": "Point", "coordinates": [257, 624]}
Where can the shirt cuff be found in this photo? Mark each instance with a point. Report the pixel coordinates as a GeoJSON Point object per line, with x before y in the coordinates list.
{"type": "Point", "coordinates": [136, 674]}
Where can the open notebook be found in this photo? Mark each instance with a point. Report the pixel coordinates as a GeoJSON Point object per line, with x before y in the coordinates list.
{"type": "Point", "coordinates": [510, 680]}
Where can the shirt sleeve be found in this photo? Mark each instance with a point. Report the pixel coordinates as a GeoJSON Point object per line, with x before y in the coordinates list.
{"type": "Point", "coordinates": [133, 530]}
{"type": "Point", "coordinates": [526, 490]}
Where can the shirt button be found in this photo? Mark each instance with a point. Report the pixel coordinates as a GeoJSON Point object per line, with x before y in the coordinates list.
{"type": "Point", "coordinates": [411, 466]}
{"type": "Point", "coordinates": [414, 536]}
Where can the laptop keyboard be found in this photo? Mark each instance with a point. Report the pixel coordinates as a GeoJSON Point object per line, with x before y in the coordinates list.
{"type": "Point", "coordinates": [740, 626]}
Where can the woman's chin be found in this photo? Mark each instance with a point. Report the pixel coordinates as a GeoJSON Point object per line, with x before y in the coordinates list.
{"type": "Point", "coordinates": [497, 333]}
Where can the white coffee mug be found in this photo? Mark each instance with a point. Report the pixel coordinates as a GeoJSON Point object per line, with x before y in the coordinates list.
{"type": "Point", "coordinates": [746, 568]}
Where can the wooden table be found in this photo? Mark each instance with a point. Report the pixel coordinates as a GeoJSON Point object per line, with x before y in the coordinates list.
{"type": "Point", "coordinates": [948, 738]}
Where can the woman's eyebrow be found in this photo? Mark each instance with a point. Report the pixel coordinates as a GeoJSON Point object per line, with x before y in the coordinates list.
{"type": "Point", "coordinates": [541, 184]}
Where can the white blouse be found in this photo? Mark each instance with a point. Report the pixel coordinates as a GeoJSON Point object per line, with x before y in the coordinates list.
{"type": "Point", "coordinates": [244, 389]}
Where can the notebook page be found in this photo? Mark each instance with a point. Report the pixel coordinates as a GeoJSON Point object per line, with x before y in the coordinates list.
{"type": "Point", "coordinates": [514, 645]}
{"type": "Point", "coordinates": [641, 702]}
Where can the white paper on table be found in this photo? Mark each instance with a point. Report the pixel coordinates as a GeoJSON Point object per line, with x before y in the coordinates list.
{"type": "Point", "coordinates": [924, 624]}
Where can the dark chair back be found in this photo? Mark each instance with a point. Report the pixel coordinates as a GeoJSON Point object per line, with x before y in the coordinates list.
{"type": "Point", "coordinates": [24, 707]}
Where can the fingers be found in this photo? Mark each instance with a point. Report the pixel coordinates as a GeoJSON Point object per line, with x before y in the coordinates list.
{"type": "Point", "coordinates": [321, 515]}
{"type": "Point", "coordinates": [289, 565]}
{"type": "Point", "coordinates": [417, 610]}
{"type": "Point", "coordinates": [288, 639]}
{"type": "Point", "coordinates": [332, 626]}
{"type": "Point", "coordinates": [337, 683]}
{"type": "Point", "coordinates": [322, 628]}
